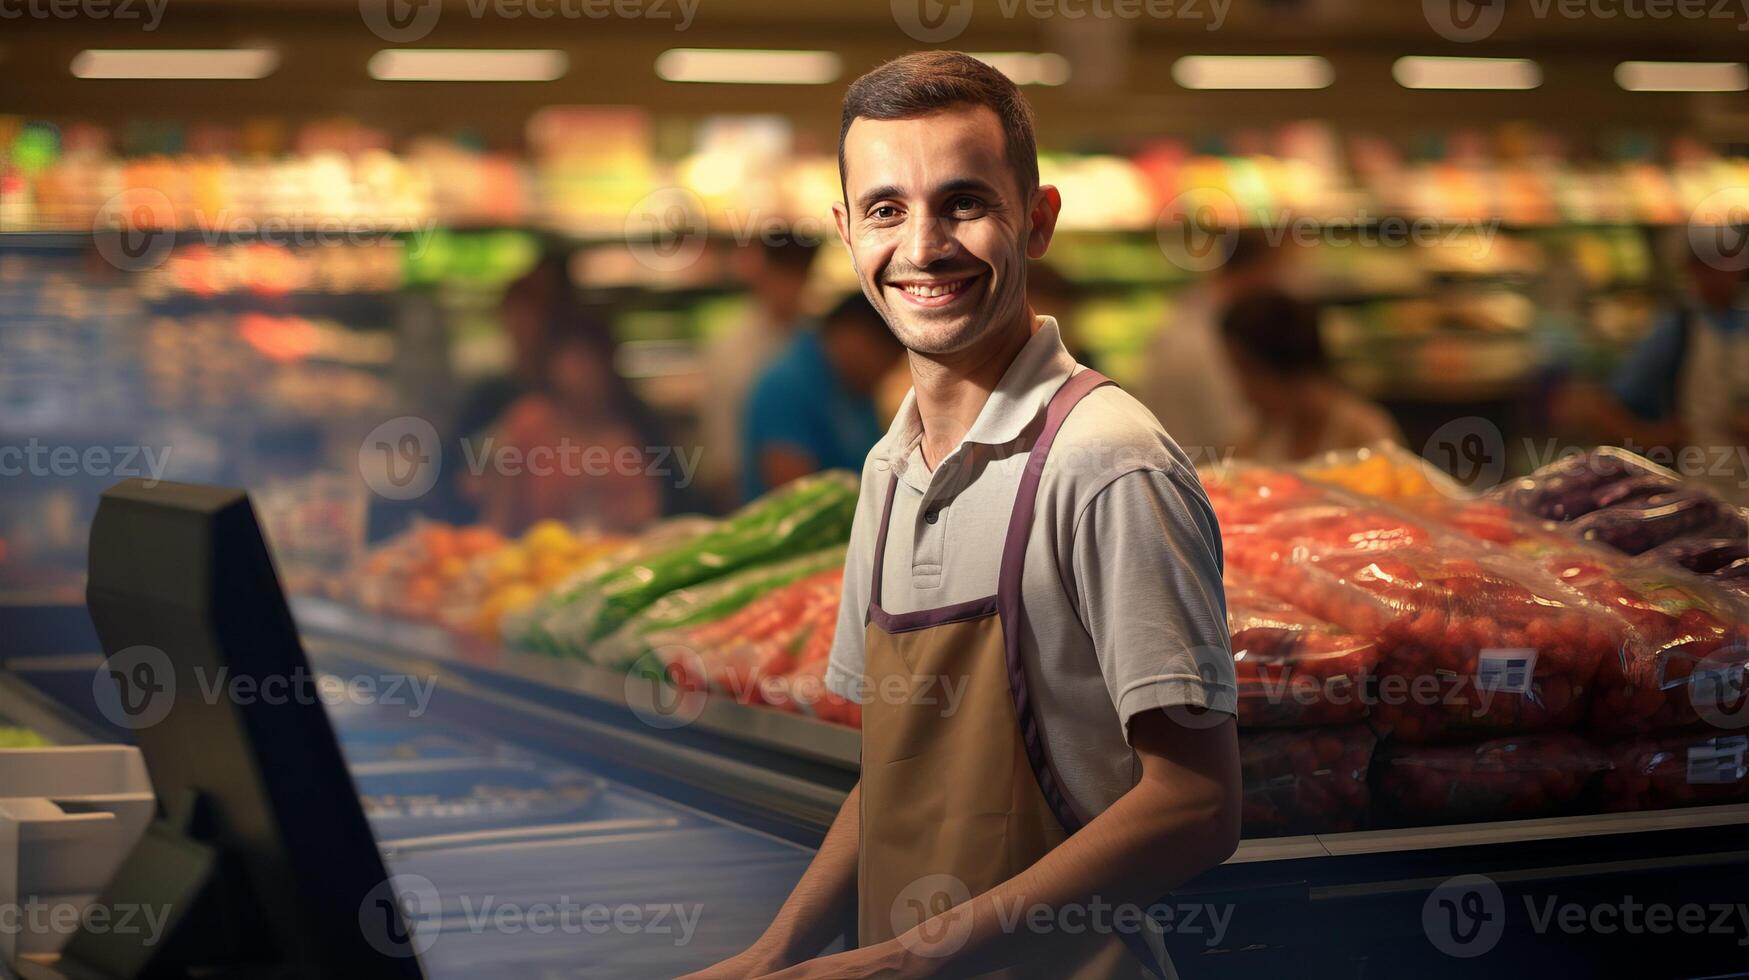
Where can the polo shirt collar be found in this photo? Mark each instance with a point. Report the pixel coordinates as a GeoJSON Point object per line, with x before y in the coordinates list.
{"type": "Point", "coordinates": [1036, 373]}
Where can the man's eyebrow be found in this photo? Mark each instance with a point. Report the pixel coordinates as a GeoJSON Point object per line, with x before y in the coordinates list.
{"type": "Point", "coordinates": [951, 186]}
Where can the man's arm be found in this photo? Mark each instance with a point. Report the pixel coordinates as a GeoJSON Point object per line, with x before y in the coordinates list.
{"type": "Point", "coordinates": [1179, 820]}
{"type": "Point", "coordinates": [820, 908]}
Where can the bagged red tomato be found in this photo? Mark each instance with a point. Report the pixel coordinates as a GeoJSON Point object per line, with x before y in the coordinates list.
{"type": "Point", "coordinates": [1243, 494]}
{"type": "Point", "coordinates": [1502, 779]}
{"type": "Point", "coordinates": [1293, 668]}
{"type": "Point", "coordinates": [1305, 780]}
{"type": "Point", "coordinates": [1657, 771]}
{"type": "Point", "coordinates": [737, 655]}
{"type": "Point", "coordinates": [1472, 642]}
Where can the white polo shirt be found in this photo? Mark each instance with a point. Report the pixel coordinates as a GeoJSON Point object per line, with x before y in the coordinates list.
{"type": "Point", "coordinates": [1123, 606]}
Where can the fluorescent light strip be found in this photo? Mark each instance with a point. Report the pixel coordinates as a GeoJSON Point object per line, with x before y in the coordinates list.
{"type": "Point", "coordinates": [1219, 71]}
{"type": "Point", "coordinates": [195, 63]}
{"type": "Point", "coordinates": [1027, 67]}
{"type": "Point", "coordinates": [1495, 74]}
{"type": "Point", "coordinates": [748, 66]}
{"type": "Point", "coordinates": [1682, 76]}
{"type": "Point", "coordinates": [467, 65]}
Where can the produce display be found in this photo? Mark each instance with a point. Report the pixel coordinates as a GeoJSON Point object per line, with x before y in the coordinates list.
{"type": "Point", "coordinates": [1304, 781]}
{"type": "Point", "coordinates": [1616, 498]}
{"type": "Point", "coordinates": [469, 578]}
{"type": "Point", "coordinates": [1684, 641]}
{"type": "Point", "coordinates": [1293, 668]}
{"type": "Point", "coordinates": [709, 603]}
{"type": "Point", "coordinates": [799, 517]}
{"type": "Point", "coordinates": [1385, 470]}
{"type": "Point", "coordinates": [1653, 772]}
{"type": "Point", "coordinates": [773, 651]}
{"type": "Point", "coordinates": [1502, 779]}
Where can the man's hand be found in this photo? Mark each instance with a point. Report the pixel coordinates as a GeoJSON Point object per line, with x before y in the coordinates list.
{"type": "Point", "coordinates": [882, 960]}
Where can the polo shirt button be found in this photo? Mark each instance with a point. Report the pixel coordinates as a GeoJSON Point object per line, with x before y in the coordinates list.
{"type": "Point", "coordinates": [932, 516]}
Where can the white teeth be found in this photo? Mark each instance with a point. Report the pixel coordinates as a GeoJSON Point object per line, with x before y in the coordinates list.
{"type": "Point", "coordinates": [926, 292]}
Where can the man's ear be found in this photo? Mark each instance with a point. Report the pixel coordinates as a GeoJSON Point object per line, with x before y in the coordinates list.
{"type": "Point", "coordinates": [1047, 203]}
{"type": "Point", "coordinates": [841, 218]}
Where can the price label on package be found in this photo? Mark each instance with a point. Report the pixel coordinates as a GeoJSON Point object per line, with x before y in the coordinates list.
{"type": "Point", "coordinates": [1506, 670]}
{"type": "Point", "coordinates": [1717, 760]}
{"type": "Point", "coordinates": [1716, 687]}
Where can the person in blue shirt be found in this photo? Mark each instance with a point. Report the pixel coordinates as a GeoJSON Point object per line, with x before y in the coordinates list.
{"type": "Point", "coordinates": [1686, 381]}
{"type": "Point", "coordinates": [814, 407]}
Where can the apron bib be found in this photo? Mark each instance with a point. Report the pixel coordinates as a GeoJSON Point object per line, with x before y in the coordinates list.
{"type": "Point", "coordinates": [967, 798]}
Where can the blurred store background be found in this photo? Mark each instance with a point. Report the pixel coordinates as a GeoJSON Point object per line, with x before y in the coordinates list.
{"type": "Point", "coordinates": [274, 245]}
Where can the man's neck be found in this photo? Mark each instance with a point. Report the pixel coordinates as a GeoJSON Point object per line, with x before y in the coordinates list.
{"type": "Point", "coordinates": [952, 388]}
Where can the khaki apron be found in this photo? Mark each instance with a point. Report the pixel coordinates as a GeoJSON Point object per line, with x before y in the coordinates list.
{"type": "Point", "coordinates": [966, 798]}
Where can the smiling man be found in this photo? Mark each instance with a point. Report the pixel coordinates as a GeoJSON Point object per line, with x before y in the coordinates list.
{"type": "Point", "coordinates": [1028, 534]}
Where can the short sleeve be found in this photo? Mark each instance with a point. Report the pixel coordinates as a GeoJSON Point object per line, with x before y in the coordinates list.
{"type": "Point", "coordinates": [780, 412]}
{"type": "Point", "coordinates": [1147, 564]}
{"type": "Point", "coordinates": [846, 666]}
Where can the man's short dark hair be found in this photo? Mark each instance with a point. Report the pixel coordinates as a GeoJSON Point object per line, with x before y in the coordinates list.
{"type": "Point", "coordinates": [928, 81]}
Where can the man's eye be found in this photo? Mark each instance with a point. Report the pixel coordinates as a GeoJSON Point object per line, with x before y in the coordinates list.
{"type": "Point", "coordinates": [883, 212]}
{"type": "Point", "coordinates": [965, 203]}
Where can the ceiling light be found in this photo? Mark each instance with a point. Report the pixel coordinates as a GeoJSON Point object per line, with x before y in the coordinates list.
{"type": "Point", "coordinates": [1028, 68]}
{"type": "Point", "coordinates": [1682, 76]}
{"type": "Point", "coordinates": [175, 63]}
{"type": "Point", "coordinates": [467, 65]}
{"type": "Point", "coordinates": [748, 66]}
{"type": "Point", "coordinates": [1211, 71]}
{"type": "Point", "coordinates": [1467, 73]}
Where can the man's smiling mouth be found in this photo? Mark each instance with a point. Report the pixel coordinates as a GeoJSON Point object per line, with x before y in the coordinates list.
{"type": "Point", "coordinates": [934, 292]}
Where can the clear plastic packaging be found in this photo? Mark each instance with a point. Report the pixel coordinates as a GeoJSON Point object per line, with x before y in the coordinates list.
{"type": "Point", "coordinates": [1292, 667]}
{"type": "Point", "coordinates": [1305, 780]}
{"type": "Point", "coordinates": [739, 655]}
{"type": "Point", "coordinates": [1658, 771]}
{"type": "Point", "coordinates": [1614, 497]}
{"type": "Point", "coordinates": [1502, 779]}
{"type": "Point", "coordinates": [1472, 642]}
{"type": "Point", "coordinates": [1384, 470]}
{"type": "Point", "coordinates": [1243, 494]}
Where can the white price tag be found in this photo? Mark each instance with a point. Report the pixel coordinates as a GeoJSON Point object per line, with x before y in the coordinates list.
{"type": "Point", "coordinates": [1717, 760]}
{"type": "Point", "coordinates": [1717, 686]}
{"type": "Point", "coordinates": [1508, 670]}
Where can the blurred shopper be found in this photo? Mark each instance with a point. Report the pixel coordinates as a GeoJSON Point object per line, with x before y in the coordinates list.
{"type": "Point", "coordinates": [1687, 382]}
{"type": "Point", "coordinates": [1027, 536]}
{"type": "Point", "coordinates": [814, 408]}
{"type": "Point", "coordinates": [577, 449]}
{"type": "Point", "coordinates": [776, 271]}
{"type": "Point", "coordinates": [1188, 382]}
{"type": "Point", "coordinates": [1301, 408]}
{"type": "Point", "coordinates": [527, 309]}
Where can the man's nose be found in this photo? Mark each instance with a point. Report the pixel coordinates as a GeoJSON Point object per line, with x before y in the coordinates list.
{"type": "Point", "coordinates": [929, 241]}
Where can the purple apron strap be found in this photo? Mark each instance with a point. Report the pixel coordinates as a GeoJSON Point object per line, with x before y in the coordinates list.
{"type": "Point", "coordinates": [1009, 592]}
{"type": "Point", "coordinates": [1009, 604]}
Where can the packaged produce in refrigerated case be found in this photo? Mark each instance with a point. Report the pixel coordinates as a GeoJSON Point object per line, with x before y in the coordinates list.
{"type": "Point", "coordinates": [1658, 771]}
{"type": "Point", "coordinates": [1293, 668]}
{"type": "Point", "coordinates": [1304, 780]}
{"type": "Point", "coordinates": [1501, 779]}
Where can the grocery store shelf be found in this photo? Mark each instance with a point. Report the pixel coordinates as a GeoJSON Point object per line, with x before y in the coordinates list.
{"type": "Point", "coordinates": [777, 731]}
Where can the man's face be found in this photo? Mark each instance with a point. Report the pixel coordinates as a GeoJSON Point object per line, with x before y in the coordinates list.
{"type": "Point", "coordinates": [937, 226]}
